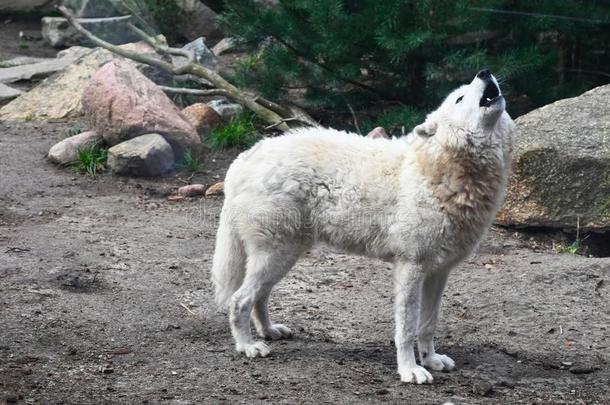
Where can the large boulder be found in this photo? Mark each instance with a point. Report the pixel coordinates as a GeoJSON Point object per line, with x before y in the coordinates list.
{"type": "Point", "coordinates": [121, 103]}
{"type": "Point", "coordinates": [144, 156]}
{"type": "Point", "coordinates": [561, 166]}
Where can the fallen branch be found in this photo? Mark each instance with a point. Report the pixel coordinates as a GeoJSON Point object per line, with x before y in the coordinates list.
{"type": "Point", "coordinates": [277, 117]}
{"type": "Point", "coordinates": [195, 92]}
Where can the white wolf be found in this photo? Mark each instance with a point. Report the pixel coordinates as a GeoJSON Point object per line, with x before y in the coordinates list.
{"type": "Point", "coordinates": [422, 202]}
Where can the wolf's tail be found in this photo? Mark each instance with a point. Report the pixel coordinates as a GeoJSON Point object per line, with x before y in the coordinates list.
{"type": "Point", "coordinates": [229, 264]}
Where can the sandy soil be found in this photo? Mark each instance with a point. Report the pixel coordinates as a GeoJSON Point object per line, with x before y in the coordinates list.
{"type": "Point", "coordinates": [105, 298]}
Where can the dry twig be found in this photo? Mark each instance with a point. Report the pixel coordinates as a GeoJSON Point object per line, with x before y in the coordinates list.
{"type": "Point", "coordinates": [187, 309]}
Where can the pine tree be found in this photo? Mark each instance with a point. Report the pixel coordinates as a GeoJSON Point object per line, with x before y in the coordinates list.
{"type": "Point", "coordinates": [393, 60]}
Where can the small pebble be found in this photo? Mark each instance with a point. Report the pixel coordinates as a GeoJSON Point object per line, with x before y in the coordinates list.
{"type": "Point", "coordinates": [215, 190]}
{"type": "Point", "coordinates": [582, 369]}
{"type": "Point", "coordinates": [192, 190]}
{"type": "Point", "coordinates": [482, 388]}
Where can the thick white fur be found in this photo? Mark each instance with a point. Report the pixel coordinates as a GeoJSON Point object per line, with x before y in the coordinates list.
{"type": "Point", "coordinates": [415, 201]}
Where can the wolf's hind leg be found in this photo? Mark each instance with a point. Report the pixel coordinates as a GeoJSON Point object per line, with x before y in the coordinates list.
{"type": "Point", "coordinates": [264, 270]}
{"type": "Point", "coordinates": [433, 287]}
{"type": "Point", "coordinates": [263, 324]}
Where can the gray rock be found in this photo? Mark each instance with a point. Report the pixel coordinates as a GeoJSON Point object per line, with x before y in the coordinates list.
{"type": "Point", "coordinates": [203, 55]}
{"type": "Point", "coordinates": [226, 109]}
{"type": "Point", "coordinates": [40, 69]}
{"type": "Point", "coordinates": [561, 166]}
{"type": "Point", "coordinates": [198, 20]}
{"type": "Point", "coordinates": [144, 156]}
{"type": "Point", "coordinates": [59, 33]}
{"type": "Point", "coordinates": [8, 93]}
{"type": "Point", "coordinates": [66, 151]}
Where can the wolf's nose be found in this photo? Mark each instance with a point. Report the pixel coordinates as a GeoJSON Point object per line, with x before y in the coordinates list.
{"type": "Point", "coordinates": [484, 74]}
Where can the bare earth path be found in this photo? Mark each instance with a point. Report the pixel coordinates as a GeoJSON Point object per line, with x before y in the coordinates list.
{"type": "Point", "coordinates": [95, 276]}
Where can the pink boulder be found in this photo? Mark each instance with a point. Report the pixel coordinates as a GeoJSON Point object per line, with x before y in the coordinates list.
{"type": "Point", "coordinates": [121, 103]}
{"type": "Point", "coordinates": [378, 132]}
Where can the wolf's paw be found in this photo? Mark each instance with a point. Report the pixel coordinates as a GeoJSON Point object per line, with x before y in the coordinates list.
{"type": "Point", "coordinates": [438, 362]}
{"type": "Point", "coordinates": [415, 375]}
{"type": "Point", "coordinates": [256, 349]}
{"type": "Point", "coordinates": [277, 331]}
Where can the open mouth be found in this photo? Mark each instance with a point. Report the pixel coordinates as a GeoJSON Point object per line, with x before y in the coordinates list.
{"type": "Point", "coordinates": [491, 94]}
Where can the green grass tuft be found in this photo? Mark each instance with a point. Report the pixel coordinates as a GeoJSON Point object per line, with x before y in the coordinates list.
{"type": "Point", "coordinates": [24, 45]}
{"type": "Point", "coordinates": [240, 133]}
{"type": "Point", "coordinates": [91, 160]}
{"type": "Point", "coordinates": [191, 162]}
{"type": "Point", "coordinates": [572, 249]}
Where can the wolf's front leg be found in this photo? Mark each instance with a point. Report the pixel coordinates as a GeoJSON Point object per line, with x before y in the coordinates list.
{"type": "Point", "coordinates": [433, 287]}
{"type": "Point", "coordinates": [408, 282]}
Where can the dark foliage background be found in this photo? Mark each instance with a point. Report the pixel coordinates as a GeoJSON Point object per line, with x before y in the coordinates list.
{"type": "Point", "coordinates": [393, 60]}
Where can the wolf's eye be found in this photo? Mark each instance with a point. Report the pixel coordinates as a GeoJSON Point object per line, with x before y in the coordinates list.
{"type": "Point", "coordinates": [459, 99]}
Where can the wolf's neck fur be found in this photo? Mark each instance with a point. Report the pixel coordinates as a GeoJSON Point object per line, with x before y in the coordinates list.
{"type": "Point", "coordinates": [467, 183]}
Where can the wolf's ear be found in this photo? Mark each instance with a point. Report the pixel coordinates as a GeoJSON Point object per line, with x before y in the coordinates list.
{"type": "Point", "coordinates": [428, 128]}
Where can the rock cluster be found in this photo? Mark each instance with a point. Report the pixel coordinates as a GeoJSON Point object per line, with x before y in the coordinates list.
{"type": "Point", "coordinates": [126, 111]}
{"type": "Point", "coordinates": [146, 131]}
{"type": "Point", "coordinates": [121, 103]}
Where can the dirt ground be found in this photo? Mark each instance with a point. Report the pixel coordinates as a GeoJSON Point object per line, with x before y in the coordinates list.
{"type": "Point", "coordinates": [105, 298]}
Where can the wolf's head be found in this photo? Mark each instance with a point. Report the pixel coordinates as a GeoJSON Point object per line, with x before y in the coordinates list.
{"type": "Point", "coordinates": [472, 112]}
